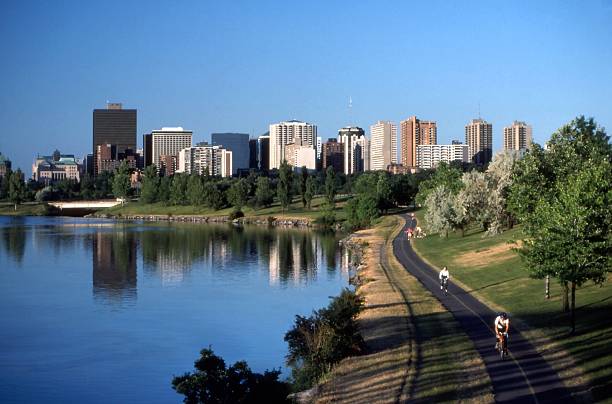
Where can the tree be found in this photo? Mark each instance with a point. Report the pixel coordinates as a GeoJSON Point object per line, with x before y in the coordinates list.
{"type": "Point", "coordinates": [474, 198]}
{"type": "Point", "coordinates": [499, 178]}
{"type": "Point", "coordinates": [103, 184]}
{"type": "Point", "coordinates": [164, 190]}
{"type": "Point", "coordinates": [213, 196]}
{"type": "Point", "coordinates": [264, 195]}
{"type": "Point", "coordinates": [330, 185]}
{"type": "Point", "coordinates": [214, 382]}
{"type": "Point", "coordinates": [284, 186]}
{"type": "Point", "coordinates": [383, 192]}
{"type": "Point", "coordinates": [87, 187]}
{"type": "Point", "coordinates": [121, 182]}
{"type": "Point", "coordinates": [303, 180]}
{"type": "Point", "coordinates": [195, 190]}
{"type": "Point", "coordinates": [311, 189]}
{"type": "Point", "coordinates": [150, 185]}
{"type": "Point", "coordinates": [238, 193]}
{"type": "Point", "coordinates": [440, 215]}
{"type": "Point", "coordinates": [567, 224]}
{"type": "Point", "coordinates": [17, 189]}
{"type": "Point", "coordinates": [178, 189]}
{"type": "Point", "coordinates": [444, 174]}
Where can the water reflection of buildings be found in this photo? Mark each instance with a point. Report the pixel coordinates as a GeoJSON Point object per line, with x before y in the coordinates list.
{"type": "Point", "coordinates": [114, 266]}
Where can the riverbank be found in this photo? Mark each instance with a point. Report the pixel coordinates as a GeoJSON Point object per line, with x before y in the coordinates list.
{"type": "Point", "coordinates": [415, 349]}
{"type": "Point", "coordinates": [490, 269]}
{"type": "Point", "coordinates": [25, 209]}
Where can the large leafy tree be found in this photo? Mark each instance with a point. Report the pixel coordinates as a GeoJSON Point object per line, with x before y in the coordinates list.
{"type": "Point", "coordinates": [567, 221]}
{"type": "Point", "coordinates": [284, 186]}
{"type": "Point", "coordinates": [264, 196]}
{"type": "Point", "coordinates": [17, 191]}
{"type": "Point", "coordinates": [121, 181]}
{"type": "Point", "coordinates": [195, 190]}
{"type": "Point", "coordinates": [178, 189]}
{"type": "Point", "coordinates": [303, 180]}
{"type": "Point", "coordinates": [238, 193]}
{"type": "Point", "coordinates": [446, 175]}
{"type": "Point", "coordinates": [330, 185]}
{"type": "Point", "coordinates": [150, 185]}
{"type": "Point", "coordinates": [311, 190]}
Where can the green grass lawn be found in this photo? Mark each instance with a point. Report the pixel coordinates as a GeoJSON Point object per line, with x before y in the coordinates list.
{"type": "Point", "coordinates": [495, 273]}
{"type": "Point", "coordinates": [25, 209]}
{"type": "Point", "coordinates": [296, 210]}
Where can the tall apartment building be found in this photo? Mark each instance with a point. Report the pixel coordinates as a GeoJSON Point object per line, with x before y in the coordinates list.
{"type": "Point", "coordinates": [332, 154]}
{"type": "Point", "coordinates": [168, 142]}
{"type": "Point", "coordinates": [238, 143]}
{"type": "Point", "coordinates": [518, 136]}
{"type": "Point", "coordinates": [383, 145]}
{"type": "Point", "coordinates": [414, 132]}
{"type": "Point", "coordinates": [356, 149]}
{"type": "Point", "coordinates": [299, 156]}
{"type": "Point", "coordinates": [215, 160]}
{"type": "Point", "coordinates": [284, 133]}
{"type": "Point", "coordinates": [479, 138]}
{"type": "Point", "coordinates": [113, 125]}
{"type": "Point", "coordinates": [429, 156]}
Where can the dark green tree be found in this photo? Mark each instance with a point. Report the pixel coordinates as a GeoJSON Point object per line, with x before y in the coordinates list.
{"type": "Point", "coordinates": [213, 196]}
{"type": "Point", "coordinates": [17, 188]}
{"type": "Point", "coordinates": [330, 186]}
{"type": "Point", "coordinates": [303, 180]}
{"type": "Point", "coordinates": [164, 192]}
{"type": "Point", "coordinates": [178, 189]}
{"type": "Point", "coordinates": [311, 190]}
{"type": "Point", "coordinates": [284, 186]}
{"type": "Point", "coordinates": [264, 195]}
{"type": "Point", "coordinates": [121, 182]}
{"type": "Point", "coordinates": [444, 174]}
{"type": "Point", "coordinates": [238, 193]}
{"type": "Point", "coordinates": [87, 187]}
{"type": "Point", "coordinates": [150, 185]}
{"type": "Point", "coordinates": [103, 185]}
{"type": "Point", "coordinates": [195, 190]}
{"type": "Point", "coordinates": [383, 192]}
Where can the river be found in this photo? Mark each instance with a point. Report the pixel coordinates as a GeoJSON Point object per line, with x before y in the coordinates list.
{"type": "Point", "coordinates": [100, 311]}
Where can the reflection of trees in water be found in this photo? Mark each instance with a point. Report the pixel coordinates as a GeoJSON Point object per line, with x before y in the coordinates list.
{"type": "Point", "coordinates": [14, 239]}
{"type": "Point", "coordinates": [114, 265]}
{"type": "Point", "coordinates": [289, 254]}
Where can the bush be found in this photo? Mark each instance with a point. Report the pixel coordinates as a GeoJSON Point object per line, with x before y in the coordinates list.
{"type": "Point", "coordinates": [213, 382]}
{"type": "Point", "coordinates": [235, 214]}
{"type": "Point", "coordinates": [323, 339]}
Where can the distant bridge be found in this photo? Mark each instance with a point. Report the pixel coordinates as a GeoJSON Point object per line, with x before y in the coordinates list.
{"type": "Point", "coordinates": [85, 205]}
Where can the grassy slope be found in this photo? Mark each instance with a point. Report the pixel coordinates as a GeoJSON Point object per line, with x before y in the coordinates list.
{"type": "Point", "coordinates": [295, 210]}
{"type": "Point", "coordinates": [27, 209]}
{"type": "Point", "coordinates": [502, 281]}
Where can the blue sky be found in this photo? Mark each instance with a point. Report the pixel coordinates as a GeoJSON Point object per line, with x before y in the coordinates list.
{"type": "Point", "coordinates": [213, 66]}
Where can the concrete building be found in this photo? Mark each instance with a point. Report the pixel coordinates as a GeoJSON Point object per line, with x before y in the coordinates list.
{"type": "Point", "coordinates": [238, 144]}
{"type": "Point", "coordinates": [332, 154]}
{"type": "Point", "coordinates": [5, 165]}
{"type": "Point", "coordinates": [429, 156]}
{"type": "Point", "coordinates": [263, 149]}
{"type": "Point", "coordinates": [50, 169]}
{"type": "Point", "coordinates": [215, 160]}
{"type": "Point", "coordinates": [284, 133]}
{"type": "Point", "coordinates": [113, 125]}
{"type": "Point", "coordinates": [109, 159]}
{"type": "Point", "coordinates": [168, 142]}
{"type": "Point", "coordinates": [414, 132]}
{"type": "Point", "coordinates": [518, 136]}
{"type": "Point", "coordinates": [319, 147]}
{"type": "Point", "coordinates": [479, 139]}
{"type": "Point", "coordinates": [253, 154]}
{"type": "Point", "coordinates": [383, 145]}
{"type": "Point", "coordinates": [356, 149]}
{"type": "Point", "coordinates": [299, 156]}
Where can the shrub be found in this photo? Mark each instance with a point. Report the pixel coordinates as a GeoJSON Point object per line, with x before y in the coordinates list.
{"type": "Point", "coordinates": [235, 214]}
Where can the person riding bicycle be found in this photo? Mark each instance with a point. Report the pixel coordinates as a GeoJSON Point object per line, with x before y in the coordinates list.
{"type": "Point", "coordinates": [502, 325]}
{"type": "Point", "coordinates": [444, 277]}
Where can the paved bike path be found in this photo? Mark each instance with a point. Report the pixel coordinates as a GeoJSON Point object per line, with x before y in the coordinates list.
{"type": "Point", "coordinates": [524, 376]}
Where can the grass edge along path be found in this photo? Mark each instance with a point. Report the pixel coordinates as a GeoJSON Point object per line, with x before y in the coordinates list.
{"type": "Point", "coordinates": [418, 352]}
{"type": "Point", "coordinates": [585, 370]}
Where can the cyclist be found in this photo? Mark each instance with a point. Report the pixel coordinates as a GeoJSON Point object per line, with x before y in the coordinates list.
{"type": "Point", "coordinates": [444, 277]}
{"type": "Point", "coordinates": [502, 325]}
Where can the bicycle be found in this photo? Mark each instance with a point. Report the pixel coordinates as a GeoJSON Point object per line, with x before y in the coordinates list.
{"type": "Point", "coordinates": [502, 347]}
{"type": "Point", "coordinates": [444, 284]}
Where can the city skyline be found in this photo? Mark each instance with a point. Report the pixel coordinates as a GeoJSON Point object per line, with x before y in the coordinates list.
{"type": "Point", "coordinates": [211, 73]}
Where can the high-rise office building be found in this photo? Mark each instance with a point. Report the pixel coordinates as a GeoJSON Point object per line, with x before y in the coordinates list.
{"type": "Point", "coordinates": [518, 136]}
{"type": "Point", "coordinates": [215, 160]}
{"type": "Point", "coordinates": [284, 133]}
{"type": "Point", "coordinates": [429, 156]}
{"type": "Point", "coordinates": [414, 132]}
{"type": "Point", "coordinates": [263, 142]}
{"type": "Point", "coordinates": [383, 145]}
{"type": "Point", "coordinates": [479, 138]}
{"type": "Point", "coordinates": [113, 125]}
{"type": "Point", "coordinates": [332, 154]}
{"type": "Point", "coordinates": [168, 142]}
{"type": "Point", "coordinates": [238, 143]}
{"type": "Point", "coordinates": [356, 149]}
{"type": "Point", "coordinates": [253, 154]}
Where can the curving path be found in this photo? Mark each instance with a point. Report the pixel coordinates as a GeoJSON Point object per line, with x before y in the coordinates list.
{"type": "Point", "coordinates": [524, 377]}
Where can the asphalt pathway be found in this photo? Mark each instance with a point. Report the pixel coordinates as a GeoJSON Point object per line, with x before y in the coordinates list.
{"type": "Point", "coordinates": [524, 376]}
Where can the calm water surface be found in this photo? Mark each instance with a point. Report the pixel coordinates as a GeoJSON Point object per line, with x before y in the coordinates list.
{"type": "Point", "coordinates": [100, 311]}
